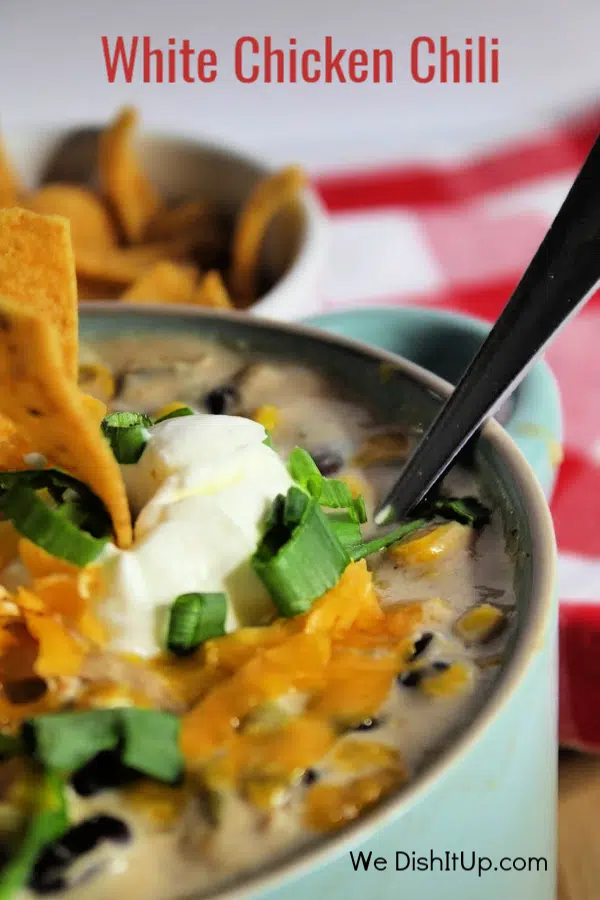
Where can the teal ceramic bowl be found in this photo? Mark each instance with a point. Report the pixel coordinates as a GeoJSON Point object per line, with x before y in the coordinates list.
{"type": "Point", "coordinates": [444, 343]}
{"type": "Point", "coordinates": [479, 820]}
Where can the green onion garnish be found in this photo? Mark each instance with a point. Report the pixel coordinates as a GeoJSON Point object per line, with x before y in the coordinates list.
{"type": "Point", "coordinates": [147, 739]}
{"type": "Point", "coordinates": [127, 435]}
{"type": "Point", "coordinates": [299, 556]}
{"type": "Point", "coordinates": [49, 822]}
{"type": "Point", "coordinates": [193, 619]}
{"type": "Point", "coordinates": [358, 510]}
{"type": "Point", "coordinates": [175, 414]}
{"type": "Point", "coordinates": [329, 492]}
{"type": "Point", "coordinates": [84, 509]}
{"type": "Point", "coordinates": [386, 540]}
{"type": "Point", "coordinates": [49, 528]}
{"type": "Point", "coordinates": [294, 507]}
{"type": "Point", "coordinates": [269, 440]}
{"type": "Point", "coordinates": [68, 740]}
{"type": "Point", "coordinates": [466, 510]}
{"type": "Point", "coordinates": [347, 530]}
{"type": "Point", "coordinates": [151, 743]}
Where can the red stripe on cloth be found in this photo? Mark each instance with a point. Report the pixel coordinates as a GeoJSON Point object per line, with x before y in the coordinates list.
{"type": "Point", "coordinates": [579, 675]}
{"type": "Point", "coordinates": [556, 151]}
{"type": "Point", "coordinates": [576, 505]}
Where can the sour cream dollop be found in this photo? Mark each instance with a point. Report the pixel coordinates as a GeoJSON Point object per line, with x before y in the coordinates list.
{"type": "Point", "coordinates": [199, 495]}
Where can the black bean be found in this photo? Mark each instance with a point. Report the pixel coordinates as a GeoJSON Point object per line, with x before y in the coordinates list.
{"type": "Point", "coordinates": [49, 871]}
{"type": "Point", "coordinates": [440, 666]}
{"type": "Point", "coordinates": [25, 691]}
{"type": "Point", "coordinates": [421, 645]}
{"type": "Point", "coordinates": [368, 724]}
{"type": "Point", "coordinates": [103, 772]}
{"type": "Point", "coordinates": [410, 679]}
{"type": "Point", "coordinates": [84, 837]}
{"type": "Point", "coordinates": [310, 776]}
{"type": "Point", "coordinates": [221, 400]}
{"type": "Point", "coordinates": [328, 461]}
{"type": "Point", "coordinates": [50, 884]}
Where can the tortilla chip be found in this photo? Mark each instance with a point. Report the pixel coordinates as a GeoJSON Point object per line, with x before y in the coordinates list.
{"type": "Point", "coordinates": [269, 197]}
{"type": "Point", "coordinates": [134, 199]}
{"type": "Point", "coordinates": [123, 266]}
{"type": "Point", "coordinates": [37, 269]}
{"type": "Point", "coordinates": [9, 190]}
{"type": "Point", "coordinates": [53, 414]}
{"type": "Point", "coordinates": [13, 445]}
{"type": "Point", "coordinates": [165, 282]}
{"type": "Point", "coordinates": [91, 225]}
{"type": "Point", "coordinates": [191, 216]}
{"type": "Point", "coordinates": [212, 292]}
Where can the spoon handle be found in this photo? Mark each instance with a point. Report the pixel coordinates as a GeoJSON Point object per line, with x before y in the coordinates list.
{"type": "Point", "coordinates": [559, 279]}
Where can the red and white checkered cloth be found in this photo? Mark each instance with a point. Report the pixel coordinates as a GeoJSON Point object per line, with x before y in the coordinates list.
{"type": "Point", "coordinates": [459, 237]}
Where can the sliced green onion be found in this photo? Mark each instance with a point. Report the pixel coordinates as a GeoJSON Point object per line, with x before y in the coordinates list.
{"type": "Point", "coordinates": [329, 492]}
{"type": "Point", "coordinates": [302, 466]}
{"type": "Point", "coordinates": [299, 562]}
{"type": "Point", "coordinates": [380, 543]}
{"type": "Point", "coordinates": [193, 619]}
{"type": "Point", "coordinates": [49, 528]}
{"type": "Point", "coordinates": [127, 434]}
{"type": "Point", "coordinates": [68, 740]}
{"type": "Point", "coordinates": [335, 494]}
{"type": "Point", "coordinates": [151, 743]}
{"type": "Point", "coordinates": [269, 440]}
{"type": "Point", "coordinates": [148, 739]}
{"type": "Point", "coordinates": [90, 513]}
{"type": "Point", "coordinates": [347, 530]}
{"type": "Point", "coordinates": [358, 510]}
{"type": "Point", "coordinates": [466, 510]}
{"type": "Point", "coordinates": [294, 506]}
{"type": "Point", "coordinates": [49, 822]}
{"type": "Point", "coordinates": [176, 414]}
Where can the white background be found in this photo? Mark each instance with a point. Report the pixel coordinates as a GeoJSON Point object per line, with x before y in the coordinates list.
{"type": "Point", "coordinates": [52, 70]}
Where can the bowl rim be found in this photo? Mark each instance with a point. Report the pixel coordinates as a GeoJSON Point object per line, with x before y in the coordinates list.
{"type": "Point", "coordinates": [312, 243]}
{"type": "Point", "coordinates": [532, 638]}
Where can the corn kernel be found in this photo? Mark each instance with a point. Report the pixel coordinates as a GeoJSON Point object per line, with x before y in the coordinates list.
{"type": "Point", "coordinates": [431, 544]}
{"type": "Point", "coordinates": [264, 793]}
{"type": "Point", "coordinates": [170, 408]}
{"type": "Point", "coordinates": [447, 682]}
{"type": "Point", "coordinates": [267, 416]}
{"type": "Point", "coordinates": [157, 802]}
{"type": "Point", "coordinates": [353, 755]}
{"type": "Point", "coordinates": [331, 806]}
{"type": "Point", "coordinates": [480, 624]}
{"type": "Point", "coordinates": [97, 380]}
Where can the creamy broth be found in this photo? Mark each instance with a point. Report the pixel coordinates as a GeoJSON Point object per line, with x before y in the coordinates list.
{"type": "Point", "coordinates": [193, 840]}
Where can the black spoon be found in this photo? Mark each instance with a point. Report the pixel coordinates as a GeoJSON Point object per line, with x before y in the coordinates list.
{"type": "Point", "coordinates": [561, 277]}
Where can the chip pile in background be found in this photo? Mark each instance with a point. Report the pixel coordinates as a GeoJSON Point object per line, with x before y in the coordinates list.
{"type": "Point", "coordinates": [130, 244]}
